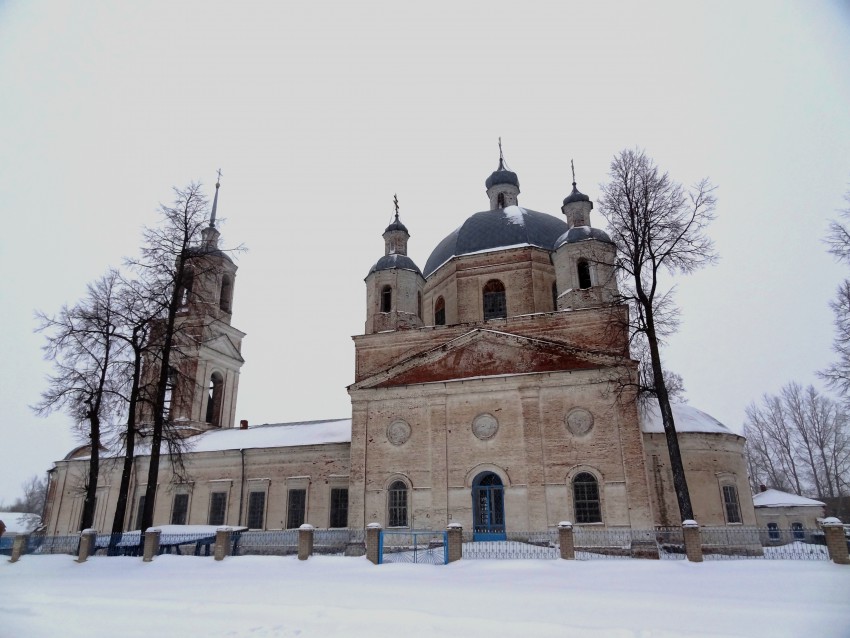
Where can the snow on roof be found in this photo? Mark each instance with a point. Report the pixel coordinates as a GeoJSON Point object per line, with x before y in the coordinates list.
{"type": "Point", "coordinates": [19, 522]}
{"type": "Point", "coordinates": [274, 435]}
{"type": "Point", "coordinates": [777, 498]}
{"type": "Point", "coordinates": [687, 419]}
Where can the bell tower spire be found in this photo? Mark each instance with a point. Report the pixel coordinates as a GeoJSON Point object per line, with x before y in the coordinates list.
{"type": "Point", "coordinates": [210, 234]}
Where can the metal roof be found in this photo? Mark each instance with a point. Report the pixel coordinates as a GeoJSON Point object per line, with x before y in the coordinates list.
{"type": "Point", "coordinates": [497, 229]}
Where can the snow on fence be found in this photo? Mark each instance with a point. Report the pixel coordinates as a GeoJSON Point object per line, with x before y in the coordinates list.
{"type": "Point", "coordinates": [590, 543]}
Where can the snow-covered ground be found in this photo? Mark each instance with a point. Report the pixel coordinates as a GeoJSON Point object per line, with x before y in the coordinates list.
{"type": "Point", "coordinates": [333, 596]}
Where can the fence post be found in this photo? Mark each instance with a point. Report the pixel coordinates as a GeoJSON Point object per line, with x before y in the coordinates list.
{"type": "Point", "coordinates": [87, 545]}
{"type": "Point", "coordinates": [566, 540]}
{"type": "Point", "coordinates": [222, 543]}
{"type": "Point", "coordinates": [836, 542]}
{"type": "Point", "coordinates": [151, 544]}
{"type": "Point", "coordinates": [305, 541]}
{"type": "Point", "coordinates": [19, 545]}
{"type": "Point", "coordinates": [455, 541]}
{"type": "Point", "coordinates": [373, 542]}
{"type": "Point", "coordinates": [693, 540]}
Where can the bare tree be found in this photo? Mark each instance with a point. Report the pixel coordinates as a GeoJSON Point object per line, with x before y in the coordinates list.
{"type": "Point", "coordinates": [657, 225]}
{"type": "Point", "coordinates": [837, 375]}
{"type": "Point", "coordinates": [34, 495]}
{"type": "Point", "coordinates": [82, 345]}
{"type": "Point", "coordinates": [799, 440]}
{"type": "Point", "coordinates": [136, 310]}
{"type": "Point", "coordinates": [173, 257]}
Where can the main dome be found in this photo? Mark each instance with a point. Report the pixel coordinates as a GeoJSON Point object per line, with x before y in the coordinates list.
{"type": "Point", "coordinates": [499, 228]}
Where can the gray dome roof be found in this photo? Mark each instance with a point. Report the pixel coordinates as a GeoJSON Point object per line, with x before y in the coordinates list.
{"type": "Point", "coordinates": [575, 196]}
{"type": "Point", "coordinates": [582, 233]}
{"type": "Point", "coordinates": [499, 228]}
{"type": "Point", "coordinates": [501, 176]}
{"type": "Point", "coordinates": [388, 262]}
{"type": "Point", "coordinates": [396, 225]}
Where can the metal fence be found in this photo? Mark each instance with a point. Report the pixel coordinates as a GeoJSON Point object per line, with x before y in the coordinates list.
{"type": "Point", "coordinates": [590, 543]}
{"type": "Point", "coordinates": [410, 546]}
{"type": "Point", "coordinates": [517, 545]}
{"type": "Point", "coordinates": [735, 543]}
{"type": "Point", "coordinates": [329, 542]}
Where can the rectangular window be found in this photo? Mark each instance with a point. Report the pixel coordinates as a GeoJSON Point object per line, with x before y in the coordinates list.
{"type": "Point", "coordinates": [730, 502]}
{"type": "Point", "coordinates": [140, 512]}
{"type": "Point", "coordinates": [339, 507]}
{"type": "Point", "coordinates": [256, 509]}
{"type": "Point", "coordinates": [296, 508]}
{"type": "Point", "coordinates": [495, 306]}
{"type": "Point", "coordinates": [179, 509]}
{"type": "Point", "coordinates": [218, 508]}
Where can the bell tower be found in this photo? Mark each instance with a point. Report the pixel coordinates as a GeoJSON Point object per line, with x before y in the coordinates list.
{"type": "Point", "coordinates": [205, 371]}
{"type": "Point", "coordinates": [583, 258]}
{"type": "Point", "coordinates": [394, 284]}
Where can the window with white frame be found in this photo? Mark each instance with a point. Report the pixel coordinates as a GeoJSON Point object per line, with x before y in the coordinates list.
{"type": "Point", "coordinates": [218, 508]}
{"type": "Point", "coordinates": [179, 509]}
{"type": "Point", "coordinates": [256, 509]}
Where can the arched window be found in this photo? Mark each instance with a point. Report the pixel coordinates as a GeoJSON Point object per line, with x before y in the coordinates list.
{"type": "Point", "coordinates": [500, 200]}
{"type": "Point", "coordinates": [773, 531]}
{"type": "Point", "coordinates": [797, 529]}
{"type": "Point", "coordinates": [397, 504]}
{"type": "Point", "coordinates": [419, 304]}
{"type": "Point", "coordinates": [186, 286]}
{"type": "Point", "coordinates": [214, 399]}
{"type": "Point", "coordinates": [730, 504]}
{"type": "Point", "coordinates": [586, 499]}
{"type": "Point", "coordinates": [226, 293]}
{"type": "Point", "coordinates": [386, 299]}
{"type": "Point", "coordinates": [440, 312]}
{"type": "Point", "coordinates": [495, 306]}
{"type": "Point", "coordinates": [583, 275]}
{"type": "Point", "coordinates": [170, 385]}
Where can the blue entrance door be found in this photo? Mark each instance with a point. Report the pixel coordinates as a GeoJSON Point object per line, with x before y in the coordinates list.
{"type": "Point", "coordinates": [488, 507]}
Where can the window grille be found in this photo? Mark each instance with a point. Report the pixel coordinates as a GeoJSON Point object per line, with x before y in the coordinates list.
{"type": "Point", "coordinates": [218, 508]}
{"type": "Point", "coordinates": [583, 275]}
{"type": "Point", "coordinates": [730, 503]}
{"type": "Point", "coordinates": [495, 305]}
{"type": "Point", "coordinates": [296, 508]}
{"type": "Point", "coordinates": [256, 509]}
{"type": "Point", "coordinates": [339, 507]}
{"type": "Point", "coordinates": [179, 509]}
{"type": "Point", "coordinates": [440, 312]}
{"type": "Point", "coordinates": [586, 499]}
{"type": "Point", "coordinates": [397, 504]}
{"type": "Point", "coordinates": [386, 299]}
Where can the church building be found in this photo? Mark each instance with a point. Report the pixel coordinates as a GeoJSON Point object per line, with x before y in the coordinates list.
{"type": "Point", "coordinates": [490, 388]}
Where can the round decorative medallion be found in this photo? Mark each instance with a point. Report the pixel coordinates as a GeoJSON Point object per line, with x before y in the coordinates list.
{"type": "Point", "coordinates": [485, 426]}
{"type": "Point", "coordinates": [579, 421]}
{"type": "Point", "coordinates": [398, 432]}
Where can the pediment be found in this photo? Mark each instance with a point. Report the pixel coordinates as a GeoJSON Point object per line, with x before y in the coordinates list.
{"type": "Point", "coordinates": [487, 353]}
{"type": "Point", "coordinates": [222, 345]}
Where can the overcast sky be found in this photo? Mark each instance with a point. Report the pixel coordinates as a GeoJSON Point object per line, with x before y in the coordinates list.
{"type": "Point", "coordinates": [318, 112]}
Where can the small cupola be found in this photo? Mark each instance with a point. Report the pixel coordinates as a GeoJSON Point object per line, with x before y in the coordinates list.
{"type": "Point", "coordinates": [396, 235]}
{"type": "Point", "coordinates": [577, 205]}
{"type": "Point", "coordinates": [502, 185]}
{"type": "Point", "coordinates": [210, 234]}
